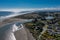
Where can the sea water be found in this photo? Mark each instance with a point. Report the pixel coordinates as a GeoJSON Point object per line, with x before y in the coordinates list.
{"type": "Point", "coordinates": [8, 14]}
{"type": "Point", "coordinates": [7, 31]}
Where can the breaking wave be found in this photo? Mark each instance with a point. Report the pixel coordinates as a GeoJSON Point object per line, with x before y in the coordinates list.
{"type": "Point", "coordinates": [7, 33]}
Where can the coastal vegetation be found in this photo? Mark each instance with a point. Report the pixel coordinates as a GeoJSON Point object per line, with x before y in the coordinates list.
{"type": "Point", "coordinates": [39, 22]}
{"type": "Point", "coordinates": [35, 27]}
{"type": "Point", "coordinates": [44, 25]}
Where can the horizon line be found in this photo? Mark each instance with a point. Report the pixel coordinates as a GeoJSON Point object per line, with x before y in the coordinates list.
{"type": "Point", "coordinates": [27, 9]}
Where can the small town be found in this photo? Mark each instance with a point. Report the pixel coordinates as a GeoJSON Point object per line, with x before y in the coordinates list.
{"type": "Point", "coordinates": [45, 27]}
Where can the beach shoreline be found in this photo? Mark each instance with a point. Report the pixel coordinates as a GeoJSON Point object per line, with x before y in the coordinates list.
{"type": "Point", "coordinates": [20, 34]}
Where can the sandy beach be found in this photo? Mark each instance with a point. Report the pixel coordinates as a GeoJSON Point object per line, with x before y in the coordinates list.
{"type": "Point", "coordinates": [22, 34]}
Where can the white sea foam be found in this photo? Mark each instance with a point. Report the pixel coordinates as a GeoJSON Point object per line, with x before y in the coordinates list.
{"type": "Point", "coordinates": [16, 11]}
{"type": "Point", "coordinates": [12, 15]}
{"type": "Point", "coordinates": [13, 29]}
{"type": "Point", "coordinates": [7, 32]}
{"type": "Point", "coordinates": [10, 33]}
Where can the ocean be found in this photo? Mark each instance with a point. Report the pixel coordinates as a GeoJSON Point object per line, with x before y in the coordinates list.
{"type": "Point", "coordinates": [7, 31]}
{"type": "Point", "coordinates": [4, 13]}
{"type": "Point", "coordinates": [8, 14]}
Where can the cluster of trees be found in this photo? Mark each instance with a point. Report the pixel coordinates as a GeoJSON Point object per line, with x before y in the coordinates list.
{"type": "Point", "coordinates": [35, 27]}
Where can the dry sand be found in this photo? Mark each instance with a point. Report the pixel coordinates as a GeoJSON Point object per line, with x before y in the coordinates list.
{"type": "Point", "coordinates": [24, 34]}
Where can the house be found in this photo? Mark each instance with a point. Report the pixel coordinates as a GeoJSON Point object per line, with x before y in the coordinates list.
{"type": "Point", "coordinates": [58, 29]}
{"type": "Point", "coordinates": [39, 28]}
{"type": "Point", "coordinates": [50, 31]}
{"type": "Point", "coordinates": [49, 27]}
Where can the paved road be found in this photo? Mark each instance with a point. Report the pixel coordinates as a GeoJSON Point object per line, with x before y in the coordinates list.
{"type": "Point", "coordinates": [44, 30]}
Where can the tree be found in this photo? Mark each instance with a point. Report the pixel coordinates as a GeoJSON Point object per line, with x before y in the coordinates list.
{"type": "Point", "coordinates": [35, 20]}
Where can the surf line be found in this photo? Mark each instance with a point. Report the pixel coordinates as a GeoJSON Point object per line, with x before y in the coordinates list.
{"type": "Point", "coordinates": [14, 28]}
